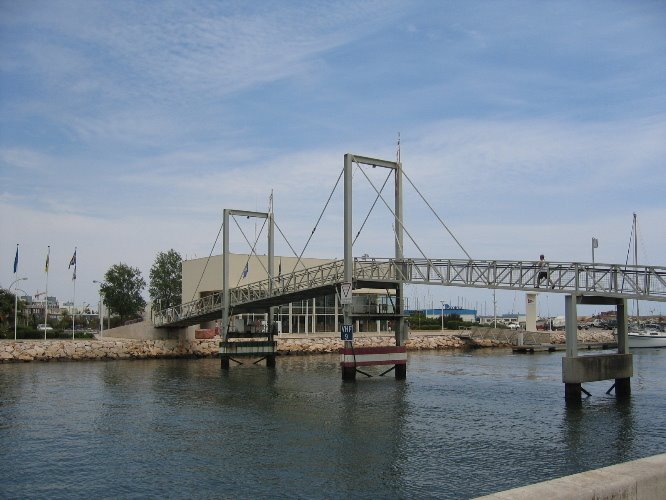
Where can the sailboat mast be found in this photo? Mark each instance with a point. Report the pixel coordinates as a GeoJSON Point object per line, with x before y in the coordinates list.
{"type": "Point", "coordinates": [638, 315]}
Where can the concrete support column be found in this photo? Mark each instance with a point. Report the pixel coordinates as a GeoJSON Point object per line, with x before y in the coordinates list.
{"type": "Point", "coordinates": [578, 369]}
{"type": "Point", "coordinates": [291, 316]}
{"type": "Point", "coordinates": [571, 325]}
{"type": "Point", "coordinates": [348, 373]}
{"type": "Point", "coordinates": [401, 329]}
{"type": "Point", "coordinates": [530, 312]}
{"type": "Point", "coordinates": [622, 385]}
{"type": "Point", "coordinates": [224, 327]}
{"type": "Point", "coordinates": [572, 391]}
{"type": "Point", "coordinates": [314, 315]}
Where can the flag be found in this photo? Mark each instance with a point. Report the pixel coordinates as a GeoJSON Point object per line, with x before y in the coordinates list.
{"type": "Point", "coordinates": [46, 267]}
{"type": "Point", "coordinates": [72, 261]}
{"type": "Point", "coordinates": [595, 243]}
{"type": "Point", "coordinates": [280, 267]}
{"type": "Point", "coordinates": [245, 270]}
{"type": "Point", "coordinates": [16, 260]}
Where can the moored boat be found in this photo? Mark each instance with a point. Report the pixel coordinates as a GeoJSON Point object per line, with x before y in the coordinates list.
{"type": "Point", "coordinates": [648, 338]}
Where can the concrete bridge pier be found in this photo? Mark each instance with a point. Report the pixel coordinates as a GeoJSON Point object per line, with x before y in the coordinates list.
{"type": "Point", "coordinates": [579, 369]}
{"type": "Point", "coordinates": [401, 333]}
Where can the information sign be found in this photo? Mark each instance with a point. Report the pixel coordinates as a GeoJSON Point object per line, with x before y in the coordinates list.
{"type": "Point", "coordinates": [347, 332]}
{"type": "Point", "coordinates": [346, 293]}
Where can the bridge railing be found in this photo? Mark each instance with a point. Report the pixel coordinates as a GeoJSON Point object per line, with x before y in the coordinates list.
{"type": "Point", "coordinates": [639, 282]}
{"type": "Point", "coordinates": [283, 284]}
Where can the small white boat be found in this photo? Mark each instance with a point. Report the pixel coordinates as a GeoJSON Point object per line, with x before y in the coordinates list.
{"type": "Point", "coordinates": [648, 338]}
{"type": "Point", "coordinates": [648, 335]}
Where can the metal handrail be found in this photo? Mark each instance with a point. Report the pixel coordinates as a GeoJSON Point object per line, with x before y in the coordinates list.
{"type": "Point", "coordinates": [611, 280]}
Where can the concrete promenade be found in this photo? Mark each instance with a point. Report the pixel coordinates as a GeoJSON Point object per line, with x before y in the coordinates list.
{"type": "Point", "coordinates": [643, 479]}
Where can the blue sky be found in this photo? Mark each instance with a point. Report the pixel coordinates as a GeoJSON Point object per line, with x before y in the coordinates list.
{"type": "Point", "coordinates": [127, 127]}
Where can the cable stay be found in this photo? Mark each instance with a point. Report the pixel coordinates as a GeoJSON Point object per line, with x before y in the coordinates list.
{"type": "Point", "coordinates": [288, 243]}
{"type": "Point", "coordinates": [436, 215]}
{"type": "Point", "coordinates": [403, 227]}
{"type": "Point", "coordinates": [252, 246]}
{"type": "Point", "coordinates": [320, 216]}
{"type": "Point", "coordinates": [397, 240]}
{"type": "Point", "coordinates": [252, 251]}
{"type": "Point", "coordinates": [371, 208]}
{"type": "Point", "coordinates": [207, 261]}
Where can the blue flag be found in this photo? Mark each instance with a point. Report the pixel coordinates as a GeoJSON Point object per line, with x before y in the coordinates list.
{"type": "Point", "coordinates": [16, 260]}
{"type": "Point", "coordinates": [245, 270]}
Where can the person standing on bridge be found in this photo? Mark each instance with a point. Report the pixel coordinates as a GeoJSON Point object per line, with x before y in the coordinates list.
{"type": "Point", "coordinates": [542, 268]}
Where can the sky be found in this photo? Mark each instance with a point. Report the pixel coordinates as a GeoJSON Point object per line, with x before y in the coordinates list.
{"type": "Point", "coordinates": [530, 127]}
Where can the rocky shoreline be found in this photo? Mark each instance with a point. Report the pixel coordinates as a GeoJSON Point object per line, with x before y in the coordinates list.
{"type": "Point", "coordinates": [116, 348]}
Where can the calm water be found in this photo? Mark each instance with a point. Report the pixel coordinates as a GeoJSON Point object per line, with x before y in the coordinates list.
{"type": "Point", "coordinates": [463, 424]}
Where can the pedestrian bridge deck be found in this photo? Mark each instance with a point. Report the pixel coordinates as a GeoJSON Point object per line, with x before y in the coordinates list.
{"type": "Point", "coordinates": [604, 280]}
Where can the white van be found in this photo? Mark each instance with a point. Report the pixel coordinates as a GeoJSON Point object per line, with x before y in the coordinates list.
{"type": "Point", "coordinates": [44, 328]}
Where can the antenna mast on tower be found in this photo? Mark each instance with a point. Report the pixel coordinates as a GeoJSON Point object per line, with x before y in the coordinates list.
{"type": "Point", "coordinates": [397, 153]}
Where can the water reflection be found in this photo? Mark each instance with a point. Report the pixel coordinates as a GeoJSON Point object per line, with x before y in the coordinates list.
{"type": "Point", "coordinates": [605, 424]}
{"type": "Point", "coordinates": [460, 425]}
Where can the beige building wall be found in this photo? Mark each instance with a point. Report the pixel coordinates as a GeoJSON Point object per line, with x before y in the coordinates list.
{"type": "Point", "coordinates": [201, 277]}
{"type": "Point", "coordinates": [211, 279]}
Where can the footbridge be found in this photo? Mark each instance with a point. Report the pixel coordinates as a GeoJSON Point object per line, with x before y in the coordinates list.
{"type": "Point", "coordinates": [580, 282]}
{"type": "Point", "coordinates": [578, 278]}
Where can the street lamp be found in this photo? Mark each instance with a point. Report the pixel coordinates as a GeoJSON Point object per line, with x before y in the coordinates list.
{"type": "Point", "coordinates": [442, 302]}
{"type": "Point", "coordinates": [25, 294]}
{"type": "Point", "coordinates": [15, 302]}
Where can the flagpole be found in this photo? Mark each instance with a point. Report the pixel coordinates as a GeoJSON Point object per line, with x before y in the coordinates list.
{"type": "Point", "coordinates": [73, 261]}
{"type": "Point", "coordinates": [73, 306]}
{"type": "Point", "coordinates": [46, 293]}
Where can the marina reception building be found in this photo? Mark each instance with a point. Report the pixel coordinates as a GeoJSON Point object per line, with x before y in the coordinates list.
{"type": "Point", "coordinates": [202, 277]}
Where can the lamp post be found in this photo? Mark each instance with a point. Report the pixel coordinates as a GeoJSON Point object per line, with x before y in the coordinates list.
{"type": "Point", "coordinates": [442, 302]}
{"type": "Point", "coordinates": [15, 302]}
{"type": "Point", "coordinates": [25, 294]}
{"type": "Point", "coordinates": [101, 304]}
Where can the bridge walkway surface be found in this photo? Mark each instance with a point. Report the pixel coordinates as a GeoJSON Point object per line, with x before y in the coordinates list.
{"type": "Point", "coordinates": [574, 278]}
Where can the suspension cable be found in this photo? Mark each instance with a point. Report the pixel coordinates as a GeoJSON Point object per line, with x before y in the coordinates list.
{"type": "Point", "coordinates": [320, 216]}
{"type": "Point", "coordinates": [252, 246]}
{"type": "Point", "coordinates": [403, 226]}
{"type": "Point", "coordinates": [436, 215]}
{"type": "Point", "coordinates": [371, 209]}
{"type": "Point", "coordinates": [207, 260]}
{"type": "Point", "coordinates": [288, 243]}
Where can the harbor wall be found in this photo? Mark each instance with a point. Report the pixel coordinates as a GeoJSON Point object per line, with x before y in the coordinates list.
{"type": "Point", "coordinates": [643, 479]}
{"type": "Point", "coordinates": [108, 348]}
{"type": "Point", "coordinates": [117, 348]}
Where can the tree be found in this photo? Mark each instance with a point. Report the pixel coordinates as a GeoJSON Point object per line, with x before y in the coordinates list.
{"type": "Point", "coordinates": [65, 320]}
{"type": "Point", "coordinates": [166, 279]}
{"type": "Point", "coordinates": [122, 289]}
{"type": "Point", "coordinates": [6, 306]}
{"type": "Point", "coordinates": [7, 302]}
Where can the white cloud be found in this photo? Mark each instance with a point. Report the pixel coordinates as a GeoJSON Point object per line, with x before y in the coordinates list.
{"type": "Point", "coordinates": [129, 127]}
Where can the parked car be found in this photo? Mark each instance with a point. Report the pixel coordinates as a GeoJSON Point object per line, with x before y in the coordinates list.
{"type": "Point", "coordinates": [514, 326]}
{"type": "Point", "coordinates": [44, 328]}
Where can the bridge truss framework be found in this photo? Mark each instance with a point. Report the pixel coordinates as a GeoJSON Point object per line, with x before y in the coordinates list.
{"type": "Point", "coordinates": [582, 282]}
